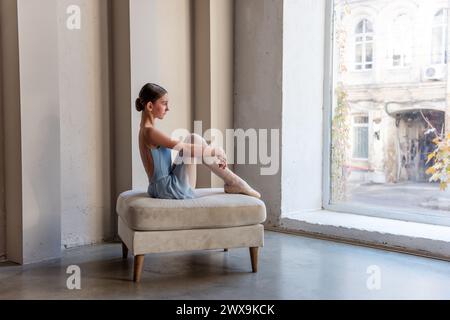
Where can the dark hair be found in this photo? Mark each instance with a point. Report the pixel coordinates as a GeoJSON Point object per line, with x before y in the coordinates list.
{"type": "Point", "coordinates": [149, 93]}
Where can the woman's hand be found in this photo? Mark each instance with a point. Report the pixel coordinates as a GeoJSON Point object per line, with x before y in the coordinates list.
{"type": "Point", "coordinates": [219, 153]}
{"type": "Point", "coordinates": [222, 162]}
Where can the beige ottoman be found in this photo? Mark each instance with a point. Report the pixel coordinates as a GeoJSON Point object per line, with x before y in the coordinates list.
{"type": "Point", "coordinates": [213, 220]}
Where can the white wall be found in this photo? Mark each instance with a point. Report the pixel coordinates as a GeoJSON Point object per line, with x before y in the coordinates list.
{"type": "Point", "coordinates": [40, 130]}
{"type": "Point", "coordinates": [303, 58]}
{"type": "Point", "coordinates": [86, 211]}
{"type": "Point", "coordinates": [161, 52]}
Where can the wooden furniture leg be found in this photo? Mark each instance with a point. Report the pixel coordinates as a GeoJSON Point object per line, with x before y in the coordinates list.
{"type": "Point", "coordinates": [254, 258]}
{"type": "Point", "coordinates": [138, 266]}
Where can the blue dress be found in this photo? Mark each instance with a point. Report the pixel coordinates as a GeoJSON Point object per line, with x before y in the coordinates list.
{"type": "Point", "coordinates": [169, 181]}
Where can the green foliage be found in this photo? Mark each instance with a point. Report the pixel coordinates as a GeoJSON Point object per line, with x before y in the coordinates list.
{"type": "Point", "coordinates": [339, 145]}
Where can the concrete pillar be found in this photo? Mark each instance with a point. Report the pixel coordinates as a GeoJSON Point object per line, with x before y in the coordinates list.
{"type": "Point", "coordinates": [258, 95]}
{"type": "Point", "coordinates": [121, 160]}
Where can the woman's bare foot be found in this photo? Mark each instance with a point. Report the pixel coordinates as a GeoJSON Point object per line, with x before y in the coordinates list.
{"type": "Point", "coordinates": [245, 189]}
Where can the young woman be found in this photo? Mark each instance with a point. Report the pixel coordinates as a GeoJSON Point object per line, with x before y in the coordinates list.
{"type": "Point", "coordinates": [177, 180]}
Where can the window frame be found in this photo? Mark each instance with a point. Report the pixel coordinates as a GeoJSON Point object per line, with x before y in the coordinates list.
{"type": "Point", "coordinates": [430, 217]}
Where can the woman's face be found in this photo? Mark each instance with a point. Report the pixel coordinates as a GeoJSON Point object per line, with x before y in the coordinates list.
{"type": "Point", "coordinates": [160, 107]}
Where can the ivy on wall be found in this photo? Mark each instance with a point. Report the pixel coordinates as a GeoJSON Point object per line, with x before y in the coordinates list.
{"type": "Point", "coordinates": [340, 128]}
{"type": "Point", "coordinates": [339, 145]}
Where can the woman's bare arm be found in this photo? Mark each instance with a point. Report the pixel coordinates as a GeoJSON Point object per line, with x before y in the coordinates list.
{"type": "Point", "coordinates": [156, 137]}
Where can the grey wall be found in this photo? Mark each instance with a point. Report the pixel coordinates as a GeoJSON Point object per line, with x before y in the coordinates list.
{"type": "Point", "coordinates": [258, 85]}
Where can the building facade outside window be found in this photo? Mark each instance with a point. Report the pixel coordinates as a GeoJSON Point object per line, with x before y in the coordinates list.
{"type": "Point", "coordinates": [380, 120]}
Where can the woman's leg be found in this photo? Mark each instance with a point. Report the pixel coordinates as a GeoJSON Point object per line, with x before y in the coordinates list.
{"type": "Point", "coordinates": [233, 183]}
{"type": "Point", "coordinates": [191, 165]}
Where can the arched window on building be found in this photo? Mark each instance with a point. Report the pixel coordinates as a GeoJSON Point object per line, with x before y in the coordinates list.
{"type": "Point", "coordinates": [439, 38]}
{"type": "Point", "coordinates": [401, 41]}
{"type": "Point", "coordinates": [364, 45]}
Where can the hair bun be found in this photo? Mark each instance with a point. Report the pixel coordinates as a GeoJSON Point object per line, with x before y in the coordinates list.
{"type": "Point", "coordinates": [139, 105]}
{"type": "Point", "coordinates": [149, 93]}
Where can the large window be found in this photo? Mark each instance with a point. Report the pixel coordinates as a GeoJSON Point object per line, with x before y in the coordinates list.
{"type": "Point", "coordinates": [364, 45]}
{"type": "Point", "coordinates": [382, 124]}
{"type": "Point", "coordinates": [439, 38]}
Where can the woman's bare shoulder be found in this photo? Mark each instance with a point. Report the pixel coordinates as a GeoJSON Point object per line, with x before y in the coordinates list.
{"type": "Point", "coordinates": [146, 134]}
{"type": "Point", "coordinates": [155, 137]}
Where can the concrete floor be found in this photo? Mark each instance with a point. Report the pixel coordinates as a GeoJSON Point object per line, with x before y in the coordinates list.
{"type": "Point", "coordinates": [290, 267]}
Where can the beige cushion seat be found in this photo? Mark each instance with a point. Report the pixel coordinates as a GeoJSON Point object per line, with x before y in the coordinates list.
{"type": "Point", "coordinates": [212, 220]}
{"type": "Point", "coordinates": [211, 209]}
